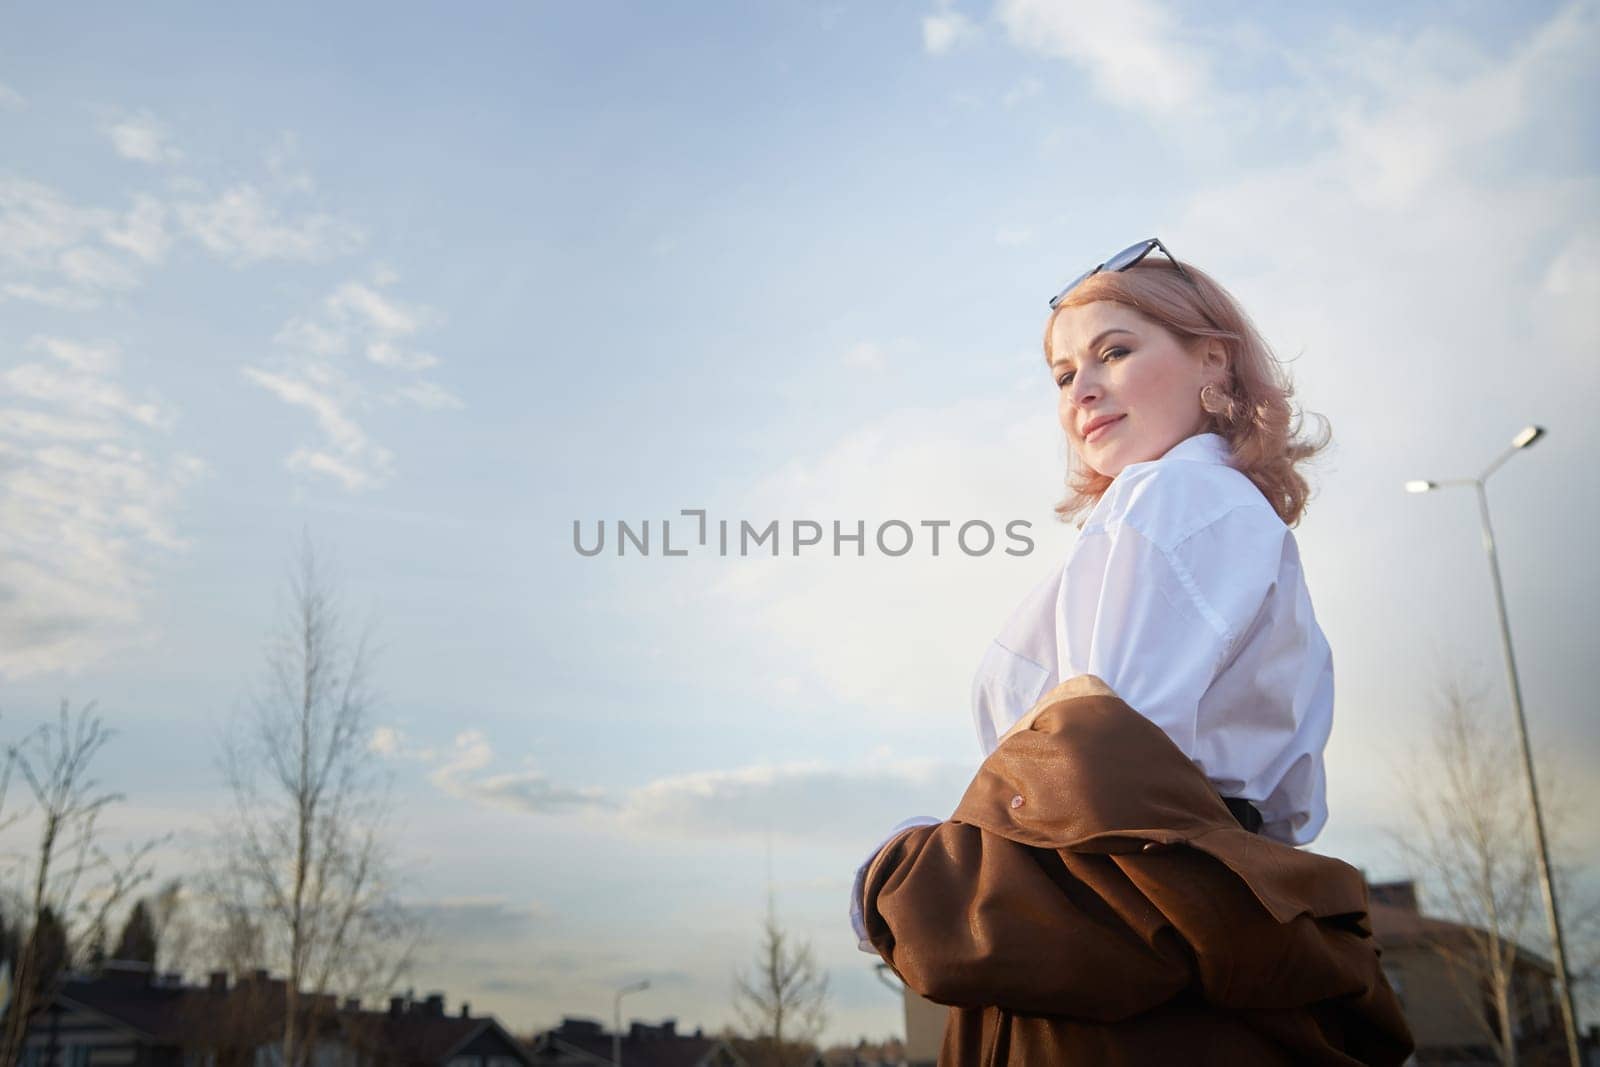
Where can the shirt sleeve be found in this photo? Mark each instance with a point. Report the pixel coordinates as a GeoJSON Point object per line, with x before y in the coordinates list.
{"type": "Point", "coordinates": [1169, 614]}
{"type": "Point", "coordinates": [1265, 721]}
{"type": "Point", "coordinates": [857, 921]}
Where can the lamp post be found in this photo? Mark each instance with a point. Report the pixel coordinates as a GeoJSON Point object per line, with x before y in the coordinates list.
{"type": "Point", "coordinates": [616, 1018]}
{"type": "Point", "coordinates": [1527, 437]}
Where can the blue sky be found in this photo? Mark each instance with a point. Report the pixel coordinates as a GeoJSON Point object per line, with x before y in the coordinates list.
{"type": "Point", "coordinates": [433, 286]}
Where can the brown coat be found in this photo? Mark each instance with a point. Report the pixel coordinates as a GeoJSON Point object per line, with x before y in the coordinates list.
{"type": "Point", "coordinates": [1092, 901]}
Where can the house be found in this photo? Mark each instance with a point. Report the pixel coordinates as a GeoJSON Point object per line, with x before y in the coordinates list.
{"type": "Point", "coordinates": [584, 1043]}
{"type": "Point", "coordinates": [1430, 964]}
{"type": "Point", "coordinates": [125, 1014]}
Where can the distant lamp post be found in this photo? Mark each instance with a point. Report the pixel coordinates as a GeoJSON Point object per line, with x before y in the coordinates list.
{"type": "Point", "coordinates": [1527, 437]}
{"type": "Point", "coordinates": [616, 1018]}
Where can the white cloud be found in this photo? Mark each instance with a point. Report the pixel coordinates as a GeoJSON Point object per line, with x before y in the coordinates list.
{"type": "Point", "coordinates": [807, 801]}
{"type": "Point", "coordinates": [67, 256]}
{"type": "Point", "coordinates": [284, 168]}
{"type": "Point", "coordinates": [60, 254]}
{"type": "Point", "coordinates": [354, 300]}
{"type": "Point", "coordinates": [464, 774]}
{"type": "Point", "coordinates": [10, 99]}
{"type": "Point", "coordinates": [946, 31]}
{"type": "Point", "coordinates": [812, 801]}
{"type": "Point", "coordinates": [877, 356]}
{"type": "Point", "coordinates": [388, 354]}
{"type": "Point", "coordinates": [313, 338]}
{"type": "Point", "coordinates": [90, 269]}
{"type": "Point", "coordinates": [313, 374]}
{"type": "Point", "coordinates": [45, 240]}
{"type": "Point", "coordinates": [1134, 52]}
{"type": "Point", "coordinates": [865, 355]}
{"type": "Point", "coordinates": [487, 921]}
{"type": "Point", "coordinates": [385, 741]}
{"type": "Point", "coordinates": [141, 137]}
{"type": "Point", "coordinates": [430, 396]}
{"type": "Point", "coordinates": [379, 324]}
{"type": "Point", "coordinates": [348, 456]}
{"type": "Point", "coordinates": [60, 297]}
{"type": "Point", "coordinates": [142, 231]}
{"type": "Point", "coordinates": [37, 222]}
{"type": "Point", "coordinates": [241, 225]}
{"type": "Point", "coordinates": [90, 359]}
{"type": "Point", "coordinates": [1023, 90]}
{"type": "Point", "coordinates": [87, 496]}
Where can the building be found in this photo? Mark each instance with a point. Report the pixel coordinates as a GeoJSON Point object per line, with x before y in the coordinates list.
{"type": "Point", "coordinates": [584, 1043]}
{"type": "Point", "coordinates": [127, 1015]}
{"type": "Point", "coordinates": [1431, 964]}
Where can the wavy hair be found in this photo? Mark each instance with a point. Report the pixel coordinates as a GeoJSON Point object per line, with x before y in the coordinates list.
{"type": "Point", "coordinates": [1252, 411]}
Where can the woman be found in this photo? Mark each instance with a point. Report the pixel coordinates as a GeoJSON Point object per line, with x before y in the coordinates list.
{"type": "Point", "coordinates": [1166, 686]}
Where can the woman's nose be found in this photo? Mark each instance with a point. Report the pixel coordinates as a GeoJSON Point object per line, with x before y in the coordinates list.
{"type": "Point", "coordinates": [1084, 390]}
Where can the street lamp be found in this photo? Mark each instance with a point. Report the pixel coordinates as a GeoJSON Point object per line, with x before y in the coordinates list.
{"type": "Point", "coordinates": [1528, 436]}
{"type": "Point", "coordinates": [616, 1018]}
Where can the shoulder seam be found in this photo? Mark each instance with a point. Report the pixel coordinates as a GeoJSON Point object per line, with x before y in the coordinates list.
{"type": "Point", "coordinates": [1186, 580]}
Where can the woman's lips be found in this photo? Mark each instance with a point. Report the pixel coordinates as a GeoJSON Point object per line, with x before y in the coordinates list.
{"type": "Point", "coordinates": [1102, 428]}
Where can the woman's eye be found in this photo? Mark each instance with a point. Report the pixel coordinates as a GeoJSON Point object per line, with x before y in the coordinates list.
{"type": "Point", "coordinates": [1066, 378]}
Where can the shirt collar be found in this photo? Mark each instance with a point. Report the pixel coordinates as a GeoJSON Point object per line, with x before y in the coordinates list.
{"type": "Point", "coordinates": [1203, 447]}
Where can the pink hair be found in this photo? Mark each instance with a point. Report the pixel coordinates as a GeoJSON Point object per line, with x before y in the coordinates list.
{"type": "Point", "coordinates": [1252, 412]}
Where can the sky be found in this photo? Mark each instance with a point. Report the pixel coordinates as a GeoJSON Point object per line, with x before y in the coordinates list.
{"type": "Point", "coordinates": [432, 288]}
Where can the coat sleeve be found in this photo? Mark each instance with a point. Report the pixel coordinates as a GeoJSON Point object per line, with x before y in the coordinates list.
{"type": "Point", "coordinates": [968, 918]}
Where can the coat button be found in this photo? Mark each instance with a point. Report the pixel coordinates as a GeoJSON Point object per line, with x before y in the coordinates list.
{"type": "Point", "coordinates": [1016, 801]}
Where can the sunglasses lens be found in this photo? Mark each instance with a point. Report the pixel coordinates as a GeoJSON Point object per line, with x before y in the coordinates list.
{"type": "Point", "coordinates": [1121, 261]}
{"type": "Point", "coordinates": [1129, 256]}
{"type": "Point", "coordinates": [1062, 295]}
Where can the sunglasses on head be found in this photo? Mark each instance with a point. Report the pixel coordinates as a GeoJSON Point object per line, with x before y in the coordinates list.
{"type": "Point", "coordinates": [1124, 259]}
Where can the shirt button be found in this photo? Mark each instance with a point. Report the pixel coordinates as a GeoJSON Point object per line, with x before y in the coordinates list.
{"type": "Point", "coordinates": [1016, 801]}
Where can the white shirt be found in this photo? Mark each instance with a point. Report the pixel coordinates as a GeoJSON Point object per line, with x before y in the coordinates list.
{"type": "Point", "coordinates": [1184, 593]}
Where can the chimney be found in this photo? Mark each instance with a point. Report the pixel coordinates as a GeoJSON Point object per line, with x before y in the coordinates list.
{"type": "Point", "coordinates": [669, 1028]}
{"type": "Point", "coordinates": [1395, 894]}
{"type": "Point", "coordinates": [259, 975]}
{"type": "Point", "coordinates": [434, 1005]}
{"type": "Point", "coordinates": [397, 1007]}
{"type": "Point", "coordinates": [132, 974]}
{"type": "Point", "coordinates": [465, 1014]}
{"type": "Point", "coordinates": [217, 981]}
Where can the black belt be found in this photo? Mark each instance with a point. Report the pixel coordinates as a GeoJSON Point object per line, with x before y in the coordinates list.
{"type": "Point", "coordinates": [1245, 812]}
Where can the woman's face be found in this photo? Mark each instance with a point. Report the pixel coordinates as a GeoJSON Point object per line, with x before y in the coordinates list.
{"type": "Point", "coordinates": [1112, 363]}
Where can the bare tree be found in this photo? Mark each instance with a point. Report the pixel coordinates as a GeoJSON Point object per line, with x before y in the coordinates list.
{"type": "Point", "coordinates": [1471, 834]}
{"type": "Point", "coordinates": [172, 914]}
{"type": "Point", "coordinates": [305, 880]}
{"type": "Point", "coordinates": [72, 883]}
{"type": "Point", "coordinates": [783, 1001]}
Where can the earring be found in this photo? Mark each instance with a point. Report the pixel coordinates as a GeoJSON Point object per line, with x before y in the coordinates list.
{"type": "Point", "coordinates": [1213, 402]}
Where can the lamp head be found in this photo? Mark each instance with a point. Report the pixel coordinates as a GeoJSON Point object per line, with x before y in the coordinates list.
{"type": "Point", "coordinates": [1528, 436]}
{"type": "Point", "coordinates": [1419, 487]}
